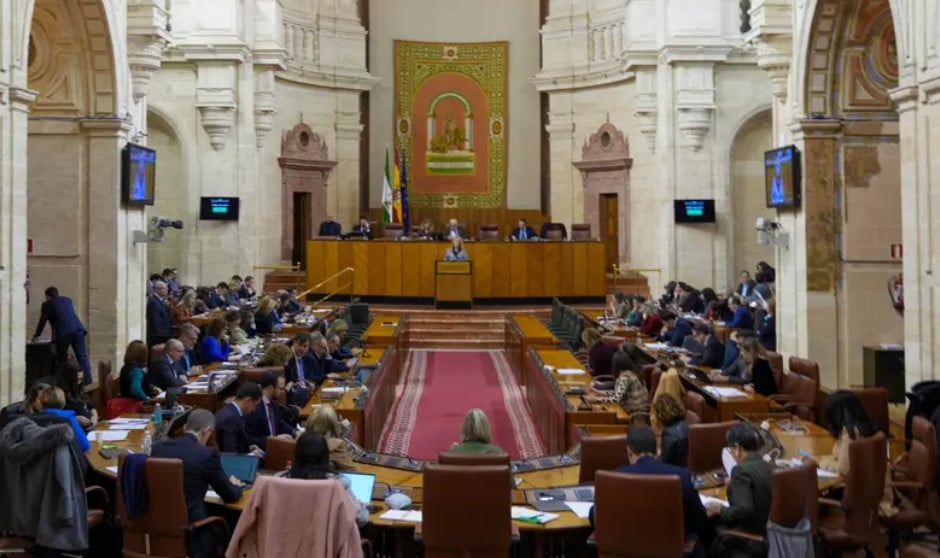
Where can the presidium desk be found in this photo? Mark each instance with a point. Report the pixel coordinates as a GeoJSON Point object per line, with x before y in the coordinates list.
{"type": "Point", "coordinates": [501, 270]}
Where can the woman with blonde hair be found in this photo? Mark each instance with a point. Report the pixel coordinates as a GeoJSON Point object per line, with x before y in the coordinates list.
{"type": "Point", "coordinates": [757, 367]}
{"type": "Point", "coordinates": [457, 252]}
{"type": "Point", "coordinates": [266, 318]}
{"type": "Point", "coordinates": [278, 354]}
{"type": "Point", "coordinates": [669, 413]}
{"type": "Point", "coordinates": [323, 421]}
{"type": "Point", "coordinates": [185, 308]}
{"type": "Point", "coordinates": [475, 435]}
{"type": "Point", "coordinates": [669, 384]}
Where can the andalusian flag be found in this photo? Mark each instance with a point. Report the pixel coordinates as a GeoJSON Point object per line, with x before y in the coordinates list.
{"type": "Point", "coordinates": [403, 193]}
{"type": "Point", "coordinates": [387, 192]}
{"type": "Point", "coordinates": [396, 195]}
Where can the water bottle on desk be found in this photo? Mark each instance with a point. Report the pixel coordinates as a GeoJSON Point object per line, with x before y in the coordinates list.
{"type": "Point", "coordinates": [148, 442]}
{"type": "Point", "coordinates": [157, 414]}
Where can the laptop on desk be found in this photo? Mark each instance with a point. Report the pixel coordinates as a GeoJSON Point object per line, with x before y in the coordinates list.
{"type": "Point", "coordinates": [242, 467]}
{"type": "Point", "coordinates": [361, 486]}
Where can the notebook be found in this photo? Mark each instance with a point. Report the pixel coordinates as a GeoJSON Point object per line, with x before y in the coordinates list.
{"type": "Point", "coordinates": [361, 485]}
{"type": "Point", "coordinates": [242, 467]}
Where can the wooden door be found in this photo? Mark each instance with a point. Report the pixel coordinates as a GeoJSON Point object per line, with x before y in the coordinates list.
{"type": "Point", "coordinates": [610, 230]}
{"type": "Point", "coordinates": [302, 227]}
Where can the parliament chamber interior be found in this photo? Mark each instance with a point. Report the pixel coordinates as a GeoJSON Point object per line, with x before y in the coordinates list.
{"type": "Point", "coordinates": [397, 279]}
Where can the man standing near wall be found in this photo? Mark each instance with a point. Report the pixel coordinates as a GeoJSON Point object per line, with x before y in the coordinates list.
{"type": "Point", "coordinates": [67, 329]}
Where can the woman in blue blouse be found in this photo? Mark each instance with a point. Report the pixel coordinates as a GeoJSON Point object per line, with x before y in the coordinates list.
{"type": "Point", "coordinates": [214, 346]}
{"type": "Point", "coordinates": [133, 378]}
{"type": "Point", "coordinates": [53, 403]}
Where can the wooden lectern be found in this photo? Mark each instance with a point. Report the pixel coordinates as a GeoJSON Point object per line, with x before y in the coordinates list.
{"type": "Point", "coordinates": [453, 284]}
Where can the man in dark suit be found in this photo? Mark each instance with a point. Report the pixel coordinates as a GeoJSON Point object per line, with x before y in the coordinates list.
{"type": "Point", "coordinates": [742, 316]}
{"type": "Point", "coordinates": [453, 230]}
{"type": "Point", "coordinates": [676, 329]}
{"type": "Point", "coordinates": [641, 453]}
{"type": "Point", "coordinates": [202, 469]}
{"type": "Point", "coordinates": [330, 228]}
{"type": "Point", "coordinates": [337, 351]}
{"type": "Point", "coordinates": [190, 363]}
{"type": "Point", "coordinates": [363, 229]}
{"type": "Point", "coordinates": [523, 231]}
{"type": "Point", "coordinates": [166, 372]}
{"type": "Point", "coordinates": [67, 329]}
{"type": "Point", "coordinates": [746, 286]}
{"type": "Point", "coordinates": [713, 350]}
{"type": "Point", "coordinates": [321, 352]}
{"type": "Point", "coordinates": [303, 369]}
{"type": "Point", "coordinates": [266, 420]}
{"type": "Point", "coordinates": [158, 315]}
{"type": "Point", "coordinates": [231, 435]}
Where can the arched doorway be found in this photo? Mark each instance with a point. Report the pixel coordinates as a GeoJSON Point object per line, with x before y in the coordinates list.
{"type": "Point", "coordinates": [747, 191]}
{"type": "Point", "coordinates": [173, 201]}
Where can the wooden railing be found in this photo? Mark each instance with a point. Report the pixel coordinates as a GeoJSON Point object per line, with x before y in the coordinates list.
{"type": "Point", "coordinates": [351, 284]}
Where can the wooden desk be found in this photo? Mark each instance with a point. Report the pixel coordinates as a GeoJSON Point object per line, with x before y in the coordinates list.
{"type": "Point", "coordinates": [211, 400]}
{"type": "Point", "coordinates": [500, 269]}
{"type": "Point", "coordinates": [728, 408]}
{"type": "Point", "coordinates": [384, 330]}
{"type": "Point", "coordinates": [524, 331]}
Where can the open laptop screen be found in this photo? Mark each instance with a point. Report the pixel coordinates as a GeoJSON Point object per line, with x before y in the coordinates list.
{"type": "Point", "coordinates": [242, 467]}
{"type": "Point", "coordinates": [361, 485]}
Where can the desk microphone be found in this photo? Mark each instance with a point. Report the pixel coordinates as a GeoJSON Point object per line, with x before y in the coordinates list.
{"type": "Point", "coordinates": [585, 406]}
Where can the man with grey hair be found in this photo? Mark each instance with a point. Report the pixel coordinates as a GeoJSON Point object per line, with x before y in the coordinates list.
{"type": "Point", "coordinates": [190, 362]}
{"type": "Point", "coordinates": [164, 371]}
{"type": "Point", "coordinates": [202, 469]}
{"type": "Point", "coordinates": [337, 353]}
{"type": "Point", "coordinates": [158, 315]}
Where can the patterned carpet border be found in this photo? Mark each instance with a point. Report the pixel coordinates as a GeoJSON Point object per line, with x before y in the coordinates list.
{"type": "Point", "coordinates": [527, 439]}
{"type": "Point", "coordinates": [396, 434]}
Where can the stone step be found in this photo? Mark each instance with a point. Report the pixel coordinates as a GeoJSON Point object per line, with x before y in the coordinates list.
{"type": "Point", "coordinates": [427, 320]}
{"type": "Point", "coordinates": [453, 343]}
{"type": "Point", "coordinates": [455, 333]}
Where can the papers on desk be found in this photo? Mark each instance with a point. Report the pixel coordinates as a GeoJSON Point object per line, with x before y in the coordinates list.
{"type": "Point", "coordinates": [112, 469]}
{"type": "Point", "coordinates": [708, 500]}
{"type": "Point", "coordinates": [656, 346]}
{"type": "Point", "coordinates": [724, 391]}
{"type": "Point", "coordinates": [213, 495]}
{"type": "Point", "coordinates": [581, 509]}
{"type": "Point", "coordinates": [728, 461]}
{"type": "Point", "coordinates": [128, 426]}
{"type": "Point", "coordinates": [532, 516]}
{"type": "Point", "coordinates": [108, 435]}
{"type": "Point", "coordinates": [143, 421]}
{"type": "Point", "coordinates": [402, 515]}
{"type": "Point", "coordinates": [797, 462]}
{"type": "Point", "coordinates": [571, 371]}
{"type": "Point", "coordinates": [160, 396]}
{"type": "Point", "coordinates": [334, 389]}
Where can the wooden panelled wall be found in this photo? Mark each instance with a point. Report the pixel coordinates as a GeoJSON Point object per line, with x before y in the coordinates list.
{"type": "Point", "coordinates": [471, 219]}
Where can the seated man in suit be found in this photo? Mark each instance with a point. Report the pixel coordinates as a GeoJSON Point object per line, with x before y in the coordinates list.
{"type": "Point", "coordinates": [641, 453]}
{"type": "Point", "coordinates": [321, 352]}
{"type": "Point", "coordinates": [453, 230]}
{"type": "Point", "coordinates": [742, 316]}
{"type": "Point", "coordinates": [676, 329]}
{"type": "Point", "coordinates": [231, 435]}
{"type": "Point", "coordinates": [202, 469]}
{"type": "Point", "coordinates": [337, 351]}
{"type": "Point", "coordinates": [713, 350]}
{"type": "Point", "coordinates": [67, 329]}
{"type": "Point", "coordinates": [303, 370]}
{"type": "Point", "coordinates": [158, 315]}
{"type": "Point", "coordinates": [266, 420]}
{"type": "Point", "coordinates": [746, 286]}
{"type": "Point", "coordinates": [523, 231]}
{"type": "Point", "coordinates": [330, 228]}
{"type": "Point", "coordinates": [166, 372]}
{"type": "Point", "coordinates": [363, 229]}
{"type": "Point", "coordinates": [190, 363]}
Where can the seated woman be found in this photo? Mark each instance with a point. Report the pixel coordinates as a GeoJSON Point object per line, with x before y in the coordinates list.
{"type": "Point", "coordinates": [185, 308]}
{"type": "Point", "coordinates": [312, 462]}
{"type": "Point", "coordinates": [266, 318]}
{"type": "Point", "coordinates": [669, 384]}
{"type": "Point", "coordinates": [635, 315]}
{"type": "Point", "coordinates": [53, 402]}
{"type": "Point", "coordinates": [475, 435]}
{"type": "Point", "coordinates": [456, 253]}
{"type": "Point", "coordinates": [599, 353]}
{"type": "Point", "coordinates": [669, 413]}
{"type": "Point", "coordinates": [214, 347]}
{"type": "Point", "coordinates": [652, 324]}
{"type": "Point", "coordinates": [277, 354]}
{"type": "Point", "coordinates": [848, 421]}
{"type": "Point", "coordinates": [749, 493]}
{"type": "Point", "coordinates": [629, 390]}
{"type": "Point", "coordinates": [69, 378]}
{"type": "Point", "coordinates": [246, 326]}
{"type": "Point", "coordinates": [133, 380]}
{"type": "Point", "coordinates": [323, 421]}
{"type": "Point", "coordinates": [751, 367]}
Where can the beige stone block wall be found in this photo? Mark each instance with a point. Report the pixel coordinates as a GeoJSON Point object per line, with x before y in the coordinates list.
{"type": "Point", "coordinates": [748, 198]}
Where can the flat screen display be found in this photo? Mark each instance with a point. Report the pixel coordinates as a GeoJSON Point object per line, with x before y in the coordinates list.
{"type": "Point", "coordinates": [782, 177]}
{"type": "Point", "coordinates": [695, 211]}
{"type": "Point", "coordinates": [139, 175]}
{"type": "Point", "coordinates": [218, 209]}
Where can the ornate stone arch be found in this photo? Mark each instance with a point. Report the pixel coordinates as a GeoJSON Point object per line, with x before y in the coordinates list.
{"type": "Point", "coordinates": [305, 168]}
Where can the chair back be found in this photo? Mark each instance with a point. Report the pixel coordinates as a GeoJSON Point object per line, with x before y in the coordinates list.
{"type": "Point", "coordinates": [554, 231]}
{"type": "Point", "coordinates": [489, 232]}
{"type": "Point", "coordinates": [776, 365]}
{"type": "Point", "coordinates": [695, 403]}
{"type": "Point", "coordinates": [601, 453]}
{"type": "Point", "coordinates": [875, 402]}
{"type": "Point", "coordinates": [278, 453]}
{"type": "Point", "coordinates": [803, 380]}
{"type": "Point", "coordinates": [795, 496]}
{"type": "Point", "coordinates": [257, 373]}
{"type": "Point", "coordinates": [655, 375]}
{"type": "Point", "coordinates": [359, 313]}
{"type": "Point", "coordinates": [393, 230]}
{"type": "Point", "coordinates": [921, 463]}
{"type": "Point", "coordinates": [483, 495]}
{"type": "Point", "coordinates": [161, 531]}
{"type": "Point", "coordinates": [705, 444]}
{"type": "Point", "coordinates": [864, 486]}
{"type": "Point", "coordinates": [105, 382]}
{"type": "Point", "coordinates": [653, 529]}
{"type": "Point", "coordinates": [472, 459]}
{"type": "Point", "coordinates": [581, 231]}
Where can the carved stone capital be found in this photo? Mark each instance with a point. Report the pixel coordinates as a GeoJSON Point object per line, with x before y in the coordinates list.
{"type": "Point", "coordinates": [560, 130]}
{"type": "Point", "coordinates": [21, 98]}
{"type": "Point", "coordinates": [773, 56]}
{"type": "Point", "coordinates": [217, 121]}
{"type": "Point", "coordinates": [215, 99]}
{"type": "Point", "coordinates": [694, 124]}
{"type": "Point", "coordinates": [905, 98]}
{"type": "Point", "coordinates": [695, 102]}
{"type": "Point", "coordinates": [146, 36]}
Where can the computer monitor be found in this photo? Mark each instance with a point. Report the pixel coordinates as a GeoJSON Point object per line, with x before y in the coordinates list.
{"type": "Point", "coordinates": [361, 485]}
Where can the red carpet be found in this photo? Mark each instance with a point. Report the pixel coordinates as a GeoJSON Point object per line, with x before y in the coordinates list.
{"type": "Point", "coordinates": [440, 386]}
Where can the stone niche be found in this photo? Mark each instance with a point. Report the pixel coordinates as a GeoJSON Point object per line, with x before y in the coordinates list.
{"type": "Point", "coordinates": [305, 169]}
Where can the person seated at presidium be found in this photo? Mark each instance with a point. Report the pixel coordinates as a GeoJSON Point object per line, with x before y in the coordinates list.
{"type": "Point", "coordinates": [330, 228]}
{"type": "Point", "coordinates": [132, 378]}
{"type": "Point", "coordinates": [641, 457]}
{"type": "Point", "coordinates": [456, 253]}
{"type": "Point", "coordinates": [454, 230]}
{"type": "Point", "coordinates": [749, 496]}
{"type": "Point", "coordinates": [231, 433]}
{"type": "Point", "coordinates": [363, 229]}
{"type": "Point", "coordinates": [523, 231]}
{"type": "Point", "coordinates": [475, 435]}
{"type": "Point", "coordinates": [214, 347]}
{"type": "Point", "coordinates": [323, 421]}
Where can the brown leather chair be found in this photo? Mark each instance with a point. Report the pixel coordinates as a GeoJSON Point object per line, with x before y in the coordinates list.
{"type": "Point", "coordinates": [472, 459]}
{"type": "Point", "coordinates": [914, 478]}
{"type": "Point", "coordinates": [489, 232]}
{"type": "Point", "coordinates": [581, 231]}
{"type": "Point", "coordinates": [278, 453]}
{"type": "Point", "coordinates": [653, 526]}
{"type": "Point", "coordinates": [915, 551]}
{"type": "Point", "coordinates": [798, 389]}
{"type": "Point", "coordinates": [393, 230]}
{"type": "Point", "coordinates": [106, 384]}
{"type": "Point", "coordinates": [161, 532]}
{"type": "Point", "coordinates": [857, 526]}
{"type": "Point", "coordinates": [875, 402]}
{"type": "Point", "coordinates": [601, 453]}
{"type": "Point", "coordinates": [554, 233]}
{"type": "Point", "coordinates": [695, 403]}
{"type": "Point", "coordinates": [482, 494]}
{"type": "Point", "coordinates": [257, 373]}
{"type": "Point", "coordinates": [776, 365]}
{"type": "Point", "coordinates": [705, 444]}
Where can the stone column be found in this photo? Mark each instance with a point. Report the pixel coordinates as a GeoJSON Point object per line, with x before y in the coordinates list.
{"type": "Point", "coordinates": [13, 242]}
{"type": "Point", "coordinates": [116, 266]}
{"type": "Point", "coordinates": [343, 193]}
{"type": "Point", "coordinates": [567, 198]}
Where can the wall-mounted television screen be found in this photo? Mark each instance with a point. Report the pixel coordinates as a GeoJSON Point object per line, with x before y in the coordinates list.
{"type": "Point", "coordinates": [695, 211]}
{"type": "Point", "coordinates": [138, 175]}
{"type": "Point", "coordinates": [218, 209]}
{"type": "Point", "coordinates": [782, 177]}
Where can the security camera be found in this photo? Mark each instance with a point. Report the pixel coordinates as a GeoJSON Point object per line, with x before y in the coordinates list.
{"type": "Point", "coordinates": [157, 229]}
{"type": "Point", "coordinates": [164, 223]}
{"type": "Point", "coordinates": [761, 223]}
{"type": "Point", "coordinates": [771, 232]}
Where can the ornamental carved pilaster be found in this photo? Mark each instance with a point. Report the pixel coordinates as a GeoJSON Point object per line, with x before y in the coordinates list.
{"type": "Point", "coordinates": [215, 100]}
{"type": "Point", "coordinates": [695, 102]}
{"type": "Point", "coordinates": [147, 35]}
{"type": "Point", "coordinates": [647, 112]}
{"type": "Point", "coordinates": [771, 34]}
